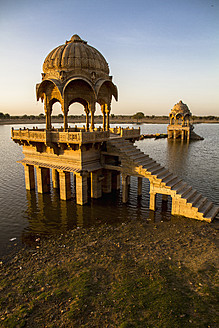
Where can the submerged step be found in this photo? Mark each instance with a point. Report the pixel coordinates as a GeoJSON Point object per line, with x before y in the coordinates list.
{"type": "Point", "coordinates": [156, 172]}
{"type": "Point", "coordinates": [134, 151]}
{"type": "Point", "coordinates": [173, 182]}
{"type": "Point", "coordinates": [181, 187]}
{"type": "Point", "coordinates": [150, 166]}
{"type": "Point", "coordinates": [145, 161]}
{"type": "Point", "coordinates": [201, 202]}
{"type": "Point", "coordinates": [206, 208]}
{"type": "Point", "coordinates": [138, 155]}
{"type": "Point", "coordinates": [195, 199]}
{"type": "Point", "coordinates": [155, 169]}
{"type": "Point", "coordinates": [186, 191]}
{"type": "Point", "coordinates": [190, 195]}
{"type": "Point", "coordinates": [163, 174]}
{"type": "Point", "coordinates": [170, 178]}
{"type": "Point", "coordinates": [212, 213]}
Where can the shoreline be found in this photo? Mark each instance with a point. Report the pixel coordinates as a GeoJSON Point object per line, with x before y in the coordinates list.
{"type": "Point", "coordinates": [99, 121]}
{"type": "Point", "coordinates": [131, 274]}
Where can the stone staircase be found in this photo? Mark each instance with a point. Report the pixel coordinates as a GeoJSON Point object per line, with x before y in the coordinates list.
{"type": "Point", "coordinates": [185, 200]}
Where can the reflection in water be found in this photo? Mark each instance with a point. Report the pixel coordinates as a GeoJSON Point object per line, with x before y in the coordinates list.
{"type": "Point", "coordinates": [47, 214]}
{"type": "Point", "coordinates": [177, 155]}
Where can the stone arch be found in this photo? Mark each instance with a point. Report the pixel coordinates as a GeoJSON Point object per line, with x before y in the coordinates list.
{"type": "Point", "coordinates": [172, 119]}
{"type": "Point", "coordinates": [82, 83]}
{"type": "Point", "coordinates": [79, 90]}
{"type": "Point", "coordinates": [105, 88]}
{"type": "Point", "coordinates": [49, 91]}
{"type": "Point", "coordinates": [179, 118]}
{"type": "Point", "coordinates": [84, 103]}
{"type": "Point", "coordinates": [78, 100]}
{"type": "Point", "coordinates": [186, 120]}
{"type": "Point", "coordinates": [48, 87]}
{"type": "Point", "coordinates": [53, 101]}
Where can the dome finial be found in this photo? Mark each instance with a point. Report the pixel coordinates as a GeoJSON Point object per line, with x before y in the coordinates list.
{"type": "Point", "coordinates": [75, 38]}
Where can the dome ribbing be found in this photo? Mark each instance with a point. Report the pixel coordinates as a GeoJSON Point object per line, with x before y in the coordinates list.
{"type": "Point", "coordinates": [77, 55]}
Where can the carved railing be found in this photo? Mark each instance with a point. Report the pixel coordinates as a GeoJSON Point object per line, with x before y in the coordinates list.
{"type": "Point", "coordinates": [126, 132]}
{"type": "Point", "coordinates": [57, 136]}
{"type": "Point", "coordinates": [26, 134]}
{"type": "Point", "coordinates": [179, 127]}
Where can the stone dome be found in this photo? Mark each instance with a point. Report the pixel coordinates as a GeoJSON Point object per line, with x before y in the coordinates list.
{"type": "Point", "coordinates": [75, 55]}
{"type": "Point", "coordinates": [180, 108]}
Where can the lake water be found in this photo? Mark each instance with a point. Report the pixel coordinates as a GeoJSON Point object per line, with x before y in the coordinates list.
{"type": "Point", "coordinates": [26, 215]}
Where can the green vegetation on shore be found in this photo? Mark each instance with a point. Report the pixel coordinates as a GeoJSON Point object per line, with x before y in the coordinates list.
{"type": "Point", "coordinates": [129, 275]}
{"type": "Point", "coordinates": [139, 117]}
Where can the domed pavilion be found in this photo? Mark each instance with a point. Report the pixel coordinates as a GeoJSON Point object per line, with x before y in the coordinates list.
{"type": "Point", "coordinates": [76, 72]}
{"type": "Point", "coordinates": [96, 161]}
{"type": "Point", "coordinates": [180, 126]}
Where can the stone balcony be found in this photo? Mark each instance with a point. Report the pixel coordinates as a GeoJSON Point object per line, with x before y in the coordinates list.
{"type": "Point", "coordinates": [72, 135]}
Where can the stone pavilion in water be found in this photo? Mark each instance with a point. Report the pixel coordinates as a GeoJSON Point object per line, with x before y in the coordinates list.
{"type": "Point", "coordinates": [96, 158]}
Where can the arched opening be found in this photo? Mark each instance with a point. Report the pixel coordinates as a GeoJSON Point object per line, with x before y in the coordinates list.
{"type": "Point", "coordinates": [56, 112]}
{"type": "Point", "coordinates": [76, 113]}
{"type": "Point", "coordinates": [186, 120]}
{"type": "Point", "coordinates": [172, 120]}
{"type": "Point", "coordinates": [98, 115]}
{"type": "Point", "coordinates": [80, 91]}
{"type": "Point", "coordinates": [179, 119]}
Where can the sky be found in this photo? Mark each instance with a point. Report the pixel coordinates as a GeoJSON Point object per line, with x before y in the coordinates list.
{"type": "Point", "coordinates": [159, 51]}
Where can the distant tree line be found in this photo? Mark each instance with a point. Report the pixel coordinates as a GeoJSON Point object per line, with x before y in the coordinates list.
{"type": "Point", "coordinates": [210, 117]}
{"type": "Point", "coordinates": [4, 116]}
{"type": "Point", "coordinates": [137, 116]}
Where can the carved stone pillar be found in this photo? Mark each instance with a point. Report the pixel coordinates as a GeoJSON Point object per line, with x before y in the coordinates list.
{"type": "Point", "coordinates": [43, 179]}
{"type": "Point", "coordinates": [152, 201]}
{"type": "Point", "coordinates": [87, 119]}
{"type": "Point", "coordinates": [107, 109]}
{"type": "Point", "coordinates": [96, 184]}
{"type": "Point", "coordinates": [152, 205]}
{"type": "Point", "coordinates": [47, 110]}
{"type": "Point", "coordinates": [104, 117]}
{"type": "Point", "coordinates": [55, 178]}
{"type": "Point", "coordinates": [188, 135]}
{"type": "Point", "coordinates": [65, 185]}
{"type": "Point", "coordinates": [29, 177]}
{"type": "Point", "coordinates": [81, 188]}
{"type": "Point", "coordinates": [92, 111]}
{"type": "Point", "coordinates": [171, 120]}
{"type": "Point", "coordinates": [125, 188]}
{"type": "Point", "coordinates": [65, 113]}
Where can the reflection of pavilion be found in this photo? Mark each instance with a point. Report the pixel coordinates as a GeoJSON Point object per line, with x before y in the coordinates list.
{"type": "Point", "coordinates": [180, 126]}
